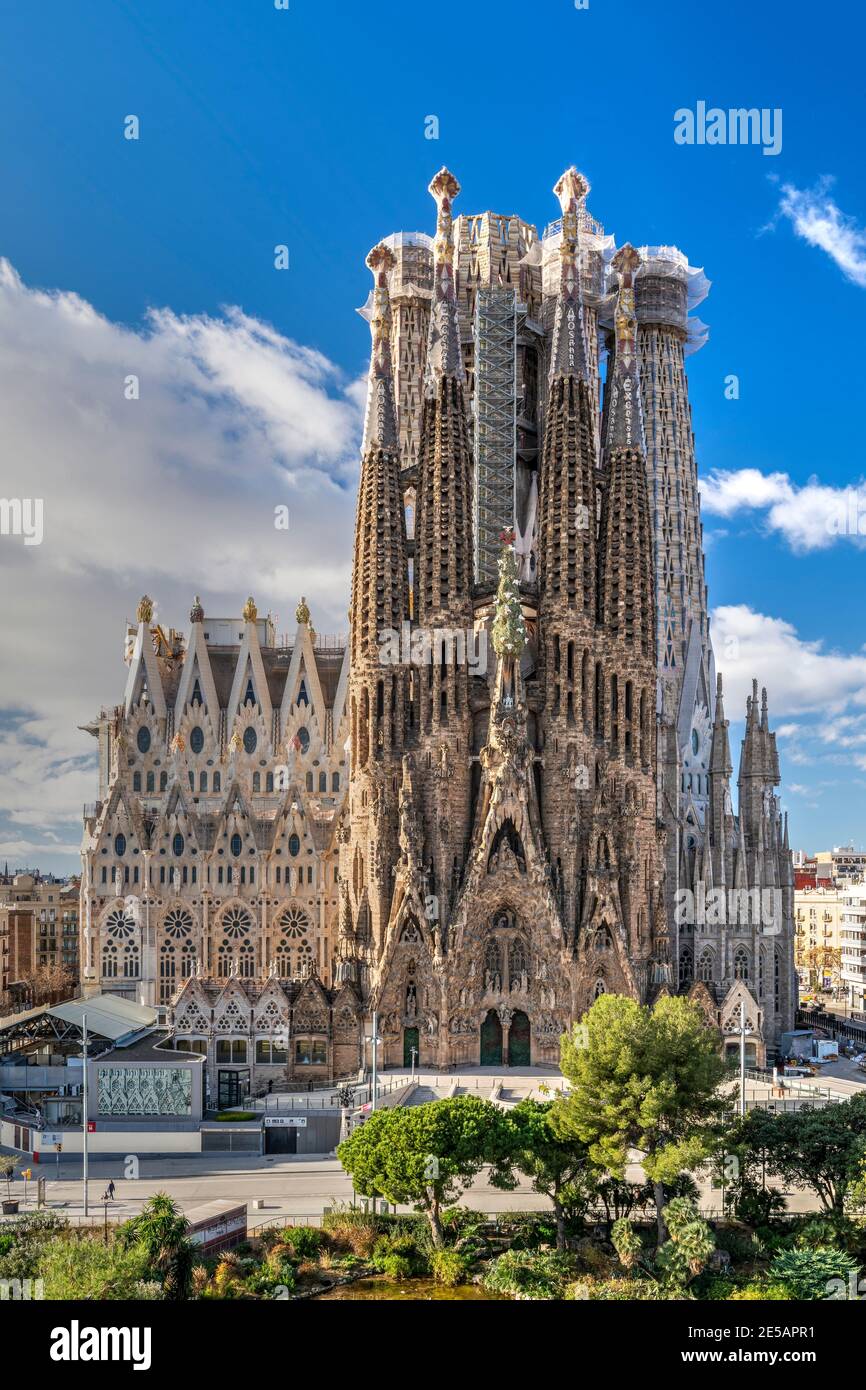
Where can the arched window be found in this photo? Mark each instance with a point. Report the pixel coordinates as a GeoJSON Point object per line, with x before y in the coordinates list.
{"type": "Point", "coordinates": [600, 988]}
{"type": "Point", "coordinates": [518, 965]}
{"type": "Point", "coordinates": [705, 966]}
{"type": "Point", "coordinates": [323, 781]}
{"type": "Point", "coordinates": [250, 740]}
{"type": "Point", "coordinates": [143, 740]}
{"type": "Point", "coordinates": [687, 967]}
{"type": "Point", "coordinates": [249, 697]}
{"type": "Point", "coordinates": [109, 962]}
{"type": "Point", "coordinates": [257, 781]}
{"type": "Point", "coordinates": [741, 963]}
{"type": "Point", "coordinates": [269, 782]}
{"type": "Point", "coordinates": [293, 951]}
{"type": "Point", "coordinates": [236, 844]}
{"type": "Point", "coordinates": [177, 845]}
{"type": "Point", "coordinates": [120, 845]}
{"type": "Point", "coordinates": [202, 782]}
{"type": "Point", "coordinates": [294, 845]}
{"type": "Point", "coordinates": [303, 738]}
{"type": "Point", "coordinates": [492, 963]}
{"type": "Point", "coordinates": [167, 973]}
{"type": "Point", "coordinates": [136, 781]}
{"type": "Point", "coordinates": [309, 781]}
{"type": "Point", "coordinates": [163, 781]}
{"type": "Point", "coordinates": [217, 782]}
{"type": "Point", "coordinates": [335, 781]}
{"type": "Point", "coordinates": [196, 739]}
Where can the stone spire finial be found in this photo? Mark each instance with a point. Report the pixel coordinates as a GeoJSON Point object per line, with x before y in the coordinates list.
{"type": "Point", "coordinates": [444, 357]}
{"type": "Point", "coordinates": [444, 188]}
{"type": "Point", "coordinates": [251, 612]}
{"type": "Point", "coordinates": [144, 613]}
{"type": "Point", "coordinates": [380, 421]}
{"type": "Point", "coordinates": [568, 355]}
{"type": "Point", "coordinates": [196, 613]}
{"type": "Point", "coordinates": [624, 421]}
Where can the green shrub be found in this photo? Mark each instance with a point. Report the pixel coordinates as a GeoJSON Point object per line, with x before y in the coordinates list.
{"type": "Point", "coordinates": [86, 1268]}
{"type": "Point", "coordinates": [449, 1267]}
{"type": "Point", "coordinates": [626, 1242]}
{"type": "Point", "coordinates": [809, 1273]}
{"type": "Point", "coordinates": [621, 1291]}
{"type": "Point", "coordinates": [352, 1229]}
{"type": "Point", "coordinates": [763, 1291]}
{"type": "Point", "coordinates": [401, 1246]}
{"type": "Point", "coordinates": [526, 1274]}
{"type": "Point", "coordinates": [397, 1267]}
{"type": "Point", "coordinates": [234, 1116]}
{"type": "Point", "coordinates": [304, 1241]}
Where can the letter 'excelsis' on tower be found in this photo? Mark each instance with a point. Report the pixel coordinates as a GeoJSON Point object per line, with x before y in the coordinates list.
{"type": "Point", "coordinates": [301, 832]}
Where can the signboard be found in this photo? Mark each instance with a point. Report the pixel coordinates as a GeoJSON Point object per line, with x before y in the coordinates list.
{"type": "Point", "coordinates": [91, 1126]}
{"type": "Point", "coordinates": [286, 1121]}
{"type": "Point", "coordinates": [49, 1139]}
{"type": "Point", "coordinates": [217, 1225]}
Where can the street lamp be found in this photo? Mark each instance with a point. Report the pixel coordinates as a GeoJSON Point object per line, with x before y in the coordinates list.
{"type": "Point", "coordinates": [414, 1054]}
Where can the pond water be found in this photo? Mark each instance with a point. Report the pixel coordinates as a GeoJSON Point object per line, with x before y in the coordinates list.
{"type": "Point", "coordinates": [417, 1290]}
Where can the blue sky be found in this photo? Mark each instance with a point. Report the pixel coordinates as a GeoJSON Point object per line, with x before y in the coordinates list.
{"type": "Point", "coordinates": [307, 127]}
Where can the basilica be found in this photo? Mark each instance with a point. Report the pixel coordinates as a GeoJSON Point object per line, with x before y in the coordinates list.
{"type": "Point", "coordinates": [509, 789]}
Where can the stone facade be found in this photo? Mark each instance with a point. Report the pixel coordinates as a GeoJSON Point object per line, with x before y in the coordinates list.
{"type": "Point", "coordinates": [212, 852]}
{"type": "Point", "coordinates": [536, 804]}
{"type": "Point", "coordinates": [516, 842]}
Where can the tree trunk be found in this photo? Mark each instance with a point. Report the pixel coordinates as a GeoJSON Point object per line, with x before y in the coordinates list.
{"type": "Point", "coordinates": [659, 1199]}
{"type": "Point", "coordinates": [436, 1231]}
{"type": "Point", "coordinates": [560, 1223]}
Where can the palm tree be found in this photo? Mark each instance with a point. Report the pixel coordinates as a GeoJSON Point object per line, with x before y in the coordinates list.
{"type": "Point", "coordinates": [161, 1229]}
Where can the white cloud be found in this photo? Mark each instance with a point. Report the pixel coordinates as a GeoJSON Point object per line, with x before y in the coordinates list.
{"type": "Point", "coordinates": [173, 493]}
{"type": "Point", "coordinates": [818, 220]}
{"type": "Point", "coordinates": [809, 517]}
{"type": "Point", "coordinates": [800, 675]}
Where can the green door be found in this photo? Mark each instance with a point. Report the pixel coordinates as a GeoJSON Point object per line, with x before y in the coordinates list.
{"type": "Point", "coordinates": [491, 1040]}
{"type": "Point", "coordinates": [410, 1043]}
{"type": "Point", "coordinates": [518, 1040]}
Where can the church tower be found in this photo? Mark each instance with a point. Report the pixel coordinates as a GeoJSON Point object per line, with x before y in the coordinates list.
{"type": "Point", "coordinates": [378, 680]}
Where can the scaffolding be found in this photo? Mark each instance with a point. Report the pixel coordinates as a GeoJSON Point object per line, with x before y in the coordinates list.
{"type": "Point", "coordinates": [495, 415]}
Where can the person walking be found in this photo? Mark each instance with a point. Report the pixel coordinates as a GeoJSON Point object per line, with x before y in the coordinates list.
{"type": "Point", "coordinates": [109, 1191]}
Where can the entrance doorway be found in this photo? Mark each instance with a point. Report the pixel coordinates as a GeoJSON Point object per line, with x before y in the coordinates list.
{"type": "Point", "coordinates": [281, 1139]}
{"type": "Point", "coordinates": [410, 1045]}
{"type": "Point", "coordinates": [491, 1040]}
{"type": "Point", "coordinates": [519, 1044]}
{"type": "Point", "coordinates": [232, 1087]}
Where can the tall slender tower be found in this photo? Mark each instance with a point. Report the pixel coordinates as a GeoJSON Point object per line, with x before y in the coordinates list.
{"type": "Point", "coordinates": [378, 685]}
{"type": "Point", "coordinates": [568, 566]}
{"type": "Point", "coordinates": [443, 576]}
{"type": "Point", "coordinates": [626, 642]}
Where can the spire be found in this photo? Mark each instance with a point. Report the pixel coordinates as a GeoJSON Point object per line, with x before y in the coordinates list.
{"type": "Point", "coordinates": [567, 488]}
{"type": "Point", "coordinates": [444, 357]}
{"type": "Point", "coordinates": [627, 586]}
{"type": "Point", "coordinates": [623, 416]}
{"type": "Point", "coordinates": [443, 531]}
{"type": "Point", "coordinates": [379, 579]}
{"type": "Point", "coordinates": [568, 353]}
{"type": "Point", "coordinates": [380, 421]}
{"type": "Point", "coordinates": [720, 754]}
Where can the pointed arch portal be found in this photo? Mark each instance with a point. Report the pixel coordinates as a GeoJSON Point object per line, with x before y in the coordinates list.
{"type": "Point", "coordinates": [519, 1040]}
{"type": "Point", "coordinates": [491, 1040]}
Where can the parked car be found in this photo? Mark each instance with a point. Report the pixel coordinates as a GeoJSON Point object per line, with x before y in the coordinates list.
{"type": "Point", "coordinates": [798, 1071]}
